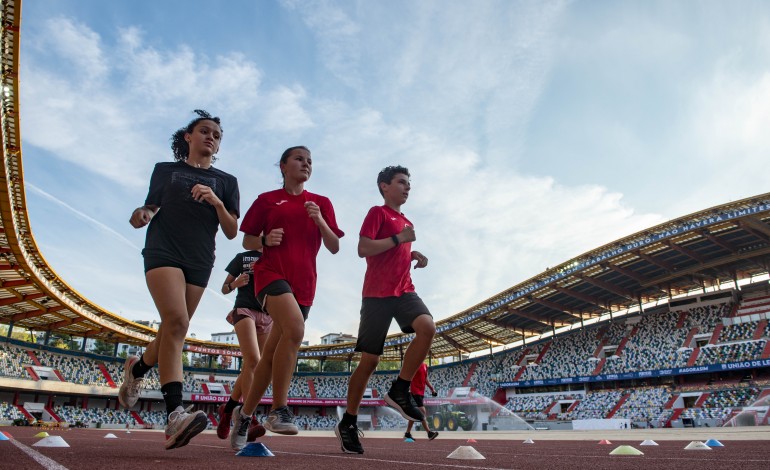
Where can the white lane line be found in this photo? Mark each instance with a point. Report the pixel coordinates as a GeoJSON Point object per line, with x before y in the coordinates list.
{"type": "Point", "coordinates": [44, 461]}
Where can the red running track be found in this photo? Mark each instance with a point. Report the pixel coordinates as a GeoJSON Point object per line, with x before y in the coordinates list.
{"type": "Point", "coordinates": [89, 449]}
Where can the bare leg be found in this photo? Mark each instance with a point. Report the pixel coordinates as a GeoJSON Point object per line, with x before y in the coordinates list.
{"type": "Point", "coordinates": [176, 302]}
{"type": "Point", "coordinates": [424, 330]}
{"type": "Point", "coordinates": [248, 340]}
{"type": "Point", "coordinates": [359, 379]}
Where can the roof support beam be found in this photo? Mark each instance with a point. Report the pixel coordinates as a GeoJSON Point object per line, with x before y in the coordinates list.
{"type": "Point", "coordinates": [454, 343]}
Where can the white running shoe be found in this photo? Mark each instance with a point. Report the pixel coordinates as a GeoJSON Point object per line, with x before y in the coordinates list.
{"type": "Point", "coordinates": [128, 394]}
{"type": "Point", "coordinates": [183, 425]}
{"type": "Point", "coordinates": [281, 421]}
{"type": "Point", "coordinates": [239, 432]}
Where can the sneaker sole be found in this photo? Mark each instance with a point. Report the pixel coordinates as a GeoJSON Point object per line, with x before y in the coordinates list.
{"type": "Point", "coordinates": [293, 431]}
{"type": "Point", "coordinates": [126, 370]}
{"type": "Point", "coordinates": [395, 406]}
{"type": "Point", "coordinates": [342, 446]}
{"type": "Point", "coordinates": [183, 437]}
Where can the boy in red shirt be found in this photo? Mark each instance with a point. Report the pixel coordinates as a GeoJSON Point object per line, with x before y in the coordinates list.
{"type": "Point", "coordinates": [385, 241]}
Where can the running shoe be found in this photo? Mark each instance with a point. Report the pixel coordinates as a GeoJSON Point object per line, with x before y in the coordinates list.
{"type": "Point", "coordinates": [348, 436]}
{"type": "Point", "coordinates": [281, 421]}
{"type": "Point", "coordinates": [401, 401]}
{"type": "Point", "coordinates": [432, 435]}
{"type": "Point", "coordinates": [240, 430]}
{"type": "Point", "coordinates": [408, 435]}
{"type": "Point", "coordinates": [256, 431]}
{"type": "Point", "coordinates": [128, 394]}
{"type": "Point", "coordinates": [183, 425]}
{"type": "Point", "coordinates": [223, 428]}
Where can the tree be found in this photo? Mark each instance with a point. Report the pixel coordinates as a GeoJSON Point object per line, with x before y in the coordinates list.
{"type": "Point", "coordinates": [335, 366]}
{"type": "Point", "coordinates": [18, 333]}
{"type": "Point", "coordinates": [102, 347]}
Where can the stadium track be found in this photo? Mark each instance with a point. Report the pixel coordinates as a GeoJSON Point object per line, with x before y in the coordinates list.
{"type": "Point", "coordinates": [744, 448]}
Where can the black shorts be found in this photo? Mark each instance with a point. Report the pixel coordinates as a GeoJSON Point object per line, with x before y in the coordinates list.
{"type": "Point", "coordinates": [196, 277]}
{"type": "Point", "coordinates": [418, 400]}
{"type": "Point", "coordinates": [376, 315]}
{"type": "Point", "coordinates": [276, 288]}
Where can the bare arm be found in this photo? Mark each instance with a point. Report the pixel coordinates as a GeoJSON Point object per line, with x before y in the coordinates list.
{"type": "Point", "coordinates": [142, 216]}
{"type": "Point", "coordinates": [232, 283]}
{"type": "Point", "coordinates": [369, 247]}
{"type": "Point", "coordinates": [227, 220]}
{"type": "Point", "coordinates": [330, 239]}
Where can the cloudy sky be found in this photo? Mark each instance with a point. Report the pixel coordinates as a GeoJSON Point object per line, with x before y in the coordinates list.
{"type": "Point", "coordinates": [534, 130]}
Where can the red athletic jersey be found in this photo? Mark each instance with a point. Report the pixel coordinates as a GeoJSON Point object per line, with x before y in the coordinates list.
{"type": "Point", "coordinates": [294, 260]}
{"type": "Point", "coordinates": [387, 274]}
{"type": "Point", "coordinates": [419, 380]}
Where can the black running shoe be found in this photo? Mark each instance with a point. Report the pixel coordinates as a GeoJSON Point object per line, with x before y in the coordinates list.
{"type": "Point", "coordinates": [348, 436]}
{"type": "Point", "coordinates": [408, 435]}
{"type": "Point", "coordinates": [432, 435]}
{"type": "Point", "coordinates": [402, 402]}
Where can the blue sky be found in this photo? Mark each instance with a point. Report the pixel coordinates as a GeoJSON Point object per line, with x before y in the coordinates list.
{"type": "Point", "coordinates": [534, 131]}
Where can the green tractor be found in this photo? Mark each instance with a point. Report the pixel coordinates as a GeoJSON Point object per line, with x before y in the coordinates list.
{"type": "Point", "coordinates": [447, 417]}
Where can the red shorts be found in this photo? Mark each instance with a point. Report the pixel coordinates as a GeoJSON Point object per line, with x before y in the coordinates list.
{"type": "Point", "coordinates": [262, 321]}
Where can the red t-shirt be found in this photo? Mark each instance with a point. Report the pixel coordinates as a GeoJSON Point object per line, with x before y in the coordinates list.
{"type": "Point", "coordinates": [419, 380]}
{"type": "Point", "coordinates": [294, 260]}
{"type": "Point", "coordinates": [387, 274]}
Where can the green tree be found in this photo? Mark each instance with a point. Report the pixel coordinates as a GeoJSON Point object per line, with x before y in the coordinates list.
{"type": "Point", "coordinates": [308, 365]}
{"type": "Point", "coordinates": [20, 334]}
{"type": "Point", "coordinates": [104, 348]}
{"type": "Point", "coordinates": [335, 366]}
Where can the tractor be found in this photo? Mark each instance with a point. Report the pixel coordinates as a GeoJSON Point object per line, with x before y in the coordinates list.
{"type": "Point", "coordinates": [447, 417]}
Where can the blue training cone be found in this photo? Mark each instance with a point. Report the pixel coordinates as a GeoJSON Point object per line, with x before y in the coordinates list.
{"type": "Point", "coordinates": [408, 439]}
{"type": "Point", "coordinates": [714, 443]}
{"type": "Point", "coordinates": [255, 449]}
{"type": "Point", "coordinates": [3, 437]}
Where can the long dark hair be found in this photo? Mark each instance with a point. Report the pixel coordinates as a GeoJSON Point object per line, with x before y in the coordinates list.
{"type": "Point", "coordinates": [180, 146]}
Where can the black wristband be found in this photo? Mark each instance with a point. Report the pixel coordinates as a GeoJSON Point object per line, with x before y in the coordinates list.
{"type": "Point", "coordinates": [395, 239]}
{"type": "Point", "coordinates": [264, 241]}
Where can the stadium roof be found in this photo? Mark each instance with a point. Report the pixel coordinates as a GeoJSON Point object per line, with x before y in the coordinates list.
{"type": "Point", "coordinates": [710, 249]}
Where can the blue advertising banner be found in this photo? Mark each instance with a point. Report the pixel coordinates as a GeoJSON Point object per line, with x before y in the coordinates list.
{"type": "Point", "coordinates": [645, 374]}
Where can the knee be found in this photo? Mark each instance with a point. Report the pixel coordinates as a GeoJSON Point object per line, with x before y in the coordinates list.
{"type": "Point", "coordinates": [424, 327]}
{"type": "Point", "coordinates": [176, 328]}
{"type": "Point", "coordinates": [295, 334]}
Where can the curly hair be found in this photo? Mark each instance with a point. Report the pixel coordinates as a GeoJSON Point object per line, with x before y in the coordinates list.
{"type": "Point", "coordinates": [180, 146]}
{"type": "Point", "coordinates": [387, 174]}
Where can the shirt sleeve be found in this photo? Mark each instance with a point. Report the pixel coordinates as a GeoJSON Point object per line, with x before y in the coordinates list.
{"type": "Point", "coordinates": [155, 194]}
{"type": "Point", "coordinates": [327, 211]}
{"type": "Point", "coordinates": [235, 266]}
{"type": "Point", "coordinates": [372, 223]}
{"type": "Point", "coordinates": [233, 197]}
{"type": "Point", "coordinates": [254, 221]}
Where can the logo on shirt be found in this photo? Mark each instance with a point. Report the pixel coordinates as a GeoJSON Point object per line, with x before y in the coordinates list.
{"type": "Point", "coordinates": [392, 218]}
{"type": "Point", "coordinates": [281, 202]}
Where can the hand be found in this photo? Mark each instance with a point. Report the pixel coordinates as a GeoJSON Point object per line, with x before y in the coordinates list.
{"type": "Point", "coordinates": [202, 193]}
{"type": "Point", "coordinates": [140, 217]}
{"type": "Point", "coordinates": [407, 234]}
{"type": "Point", "coordinates": [434, 393]}
{"type": "Point", "coordinates": [314, 212]}
{"type": "Point", "coordinates": [422, 260]}
{"type": "Point", "coordinates": [241, 280]}
{"type": "Point", "coordinates": [274, 237]}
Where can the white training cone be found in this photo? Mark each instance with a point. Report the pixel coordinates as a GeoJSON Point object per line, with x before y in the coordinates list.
{"type": "Point", "coordinates": [51, 441]}
{"type": "Point", "coordinates": [697, 445]}
{"type": "Point", "coordinates": [626, 450]}
{"type": "Point", "coordinates": [465, 453]}
{"type": "Point", "coordinates": [528, 441]}
{"type": "Point", "coordinates": [110, 436]}
{"type": "Point", "coordinates": [648, 442]}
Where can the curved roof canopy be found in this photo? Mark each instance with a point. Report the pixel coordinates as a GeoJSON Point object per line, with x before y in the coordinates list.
{"type": "Point", "coordinates": [718, 245]}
